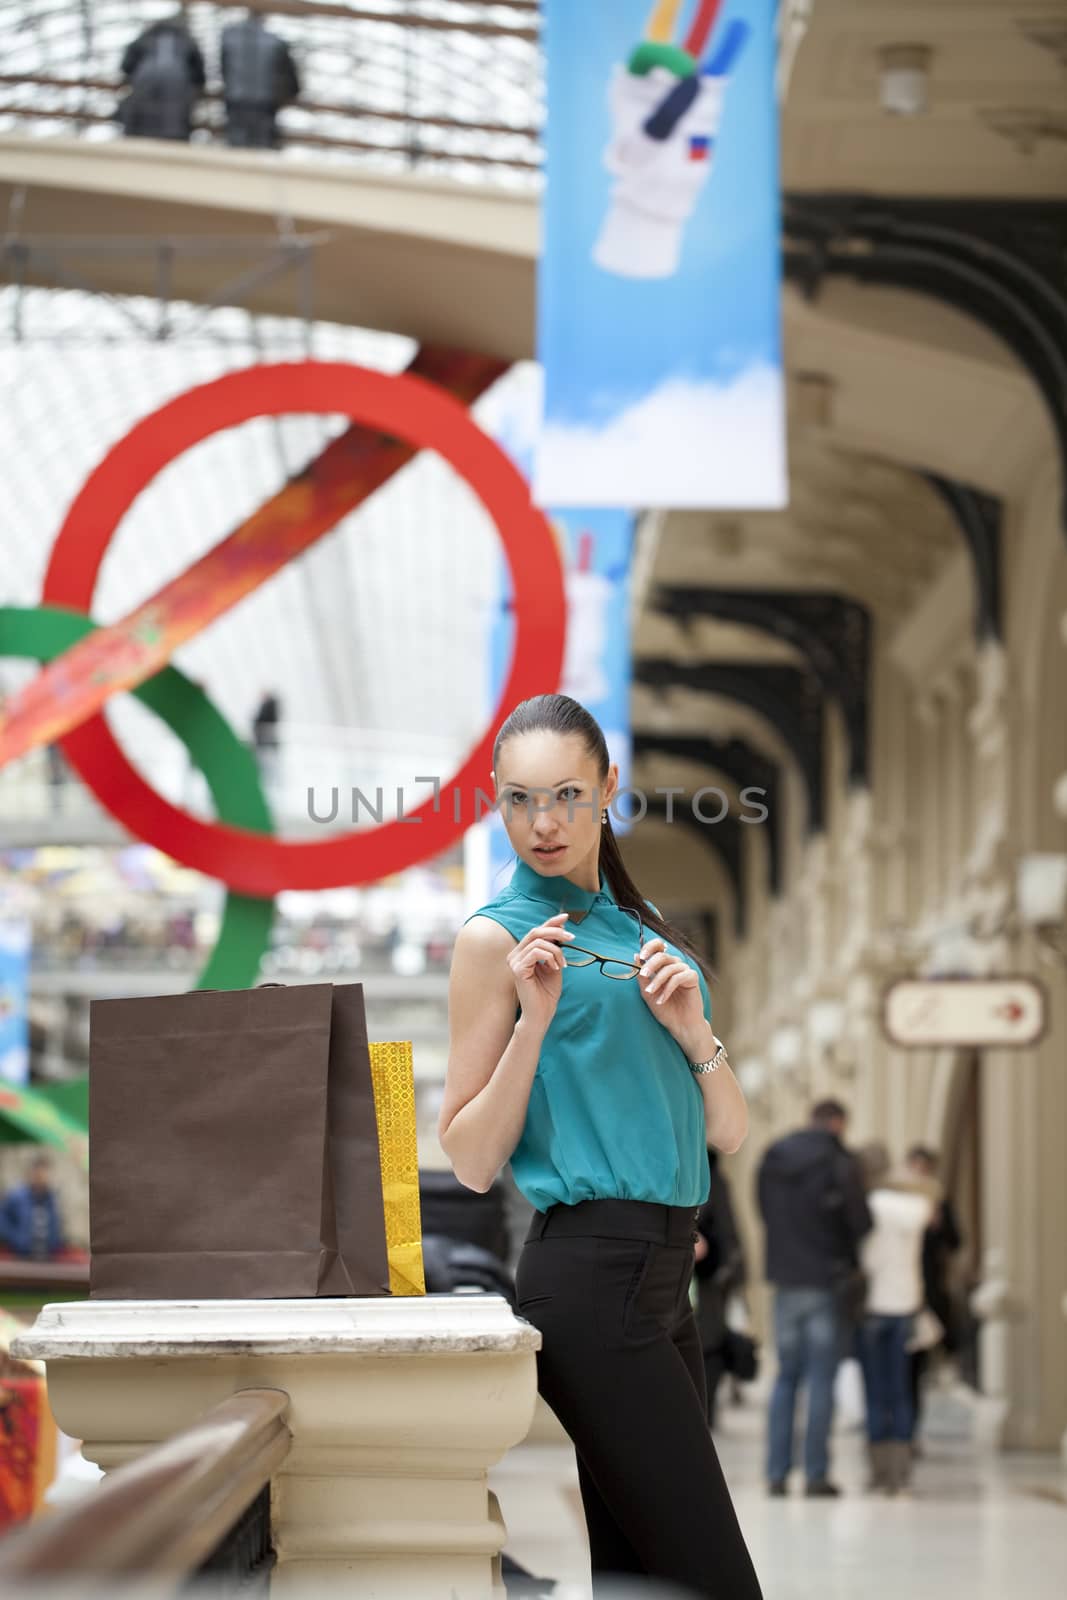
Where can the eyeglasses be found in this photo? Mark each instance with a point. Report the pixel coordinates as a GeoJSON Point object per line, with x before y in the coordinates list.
{"type": "Point", "coordinates": [610, 966]}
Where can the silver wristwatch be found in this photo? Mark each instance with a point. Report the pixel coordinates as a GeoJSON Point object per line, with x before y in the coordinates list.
{"type": "Point", "coordinates": [716, 1061]}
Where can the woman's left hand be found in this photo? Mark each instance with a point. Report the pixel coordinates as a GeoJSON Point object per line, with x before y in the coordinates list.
{"type": "Point", "coordinates": [671, 990]}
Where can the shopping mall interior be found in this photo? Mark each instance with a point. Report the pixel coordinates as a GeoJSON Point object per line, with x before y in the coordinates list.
{"type": "Point", "coordinates": [882, 657]}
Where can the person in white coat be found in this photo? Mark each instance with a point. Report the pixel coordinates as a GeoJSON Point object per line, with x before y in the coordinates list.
{"type": "Point", "coordinates": [902, 1206]}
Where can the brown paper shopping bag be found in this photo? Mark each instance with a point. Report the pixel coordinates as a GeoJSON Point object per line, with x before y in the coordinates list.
{"type": "Point", "coordinates": [233, 1146]}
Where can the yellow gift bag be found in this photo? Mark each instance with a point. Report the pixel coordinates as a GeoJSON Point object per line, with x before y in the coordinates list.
{"type": "Point", "coordinates": [394, 1101]}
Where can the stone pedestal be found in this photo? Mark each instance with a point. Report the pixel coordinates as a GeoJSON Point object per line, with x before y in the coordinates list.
{"type": "Point", "coordinates": [397, 1410]}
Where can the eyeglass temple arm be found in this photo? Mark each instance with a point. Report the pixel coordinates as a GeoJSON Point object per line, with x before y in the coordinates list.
{"type": "Point", "coordinates": [615, 960]}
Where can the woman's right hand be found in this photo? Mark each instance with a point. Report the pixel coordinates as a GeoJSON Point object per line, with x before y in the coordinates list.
{"type": "Point", "coordinates": [536, 965]}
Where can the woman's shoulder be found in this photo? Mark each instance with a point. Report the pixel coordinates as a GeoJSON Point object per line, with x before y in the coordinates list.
{"type": "Point", "coordinates": [506, 910]}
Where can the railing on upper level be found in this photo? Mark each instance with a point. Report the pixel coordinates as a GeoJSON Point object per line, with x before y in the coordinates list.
{"type": "Point", "coordinates": [452, 87]}
{"type": "Point", "coordinates": [198, 1503]}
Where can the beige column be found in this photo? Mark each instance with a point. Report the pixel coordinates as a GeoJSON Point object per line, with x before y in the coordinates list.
{"type": "Point", "coordinates": [987, 870]}
{"type": "Point", "coordinates": [927, 829]}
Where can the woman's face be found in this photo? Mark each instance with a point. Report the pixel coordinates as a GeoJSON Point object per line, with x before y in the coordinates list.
{"type": "Point", "coordinates": [551, 796]}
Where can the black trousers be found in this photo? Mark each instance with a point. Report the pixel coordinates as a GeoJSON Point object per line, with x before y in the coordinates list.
{"type": "Point", "coordinates": [607, 1284]}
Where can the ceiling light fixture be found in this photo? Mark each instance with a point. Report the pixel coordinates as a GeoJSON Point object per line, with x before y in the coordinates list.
{"type": "Point", "coordinates": [1041, 900]}
{"type": "Point", "coordinates": [904, 72]}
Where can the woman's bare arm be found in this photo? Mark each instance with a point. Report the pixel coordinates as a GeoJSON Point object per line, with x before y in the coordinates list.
{"type": "Point", "coordinates": [492, 1058]}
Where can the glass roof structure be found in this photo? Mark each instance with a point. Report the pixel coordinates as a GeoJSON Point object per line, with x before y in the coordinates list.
{"type": "Point", "coordinates": [373, 639]}
{"type": "Point", "coordinates": [367, 639]}
{"type": "Point", "coordinates": [452, 87]}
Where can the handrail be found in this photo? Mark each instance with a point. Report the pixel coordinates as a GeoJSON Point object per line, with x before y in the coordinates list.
{"type": "Point", "coordinates": [163, 1514]}
{"type": "Point", "coordinates": [348, 108]}
{"type": "Point", "coordinates": [47, 1276]}
{"type": "Point", "coordinates": [322, 141]}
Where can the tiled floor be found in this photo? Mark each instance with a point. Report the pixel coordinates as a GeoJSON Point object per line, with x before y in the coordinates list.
{"type": "Point", "coordinates": [975, 1528]}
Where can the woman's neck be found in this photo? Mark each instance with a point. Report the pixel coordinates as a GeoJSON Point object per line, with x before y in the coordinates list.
{"type": "Point", "coordinates": [586, 874]}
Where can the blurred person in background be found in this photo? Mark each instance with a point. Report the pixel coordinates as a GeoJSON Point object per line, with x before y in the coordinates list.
{"type": "Point", "coordinates": [57, 776]}
{"type": "Point", "coordinates": [942, 1239]}
{"type": "Point", "coordinates": [259, 77]}
{"type": "Point", "coordinates": [29, 1217]}
{"type": "Point", "coordinates": [811, 1198]}
{"type": "Point", "coordinates": [902, 1205]}
{"type": "Point", "coordinates": [720, 1272]}
{"type": "Point", "coordinates": [165, 71]}
{"type": "Point", "coordinates": [265, 737]}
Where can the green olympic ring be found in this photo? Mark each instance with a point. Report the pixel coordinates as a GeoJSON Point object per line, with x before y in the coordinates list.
{"type": "Point", "coordinates": [43, 632]}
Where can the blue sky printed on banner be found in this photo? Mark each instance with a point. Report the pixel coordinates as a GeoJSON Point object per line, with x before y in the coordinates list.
{"type": "Point", "coordinates": [14, 987]}
{"type": "Point", "coordinates": [597, 663]}
{"type": "Point", "coordinates": [707, 338]}
{"type": "Point", "coordinates": [596, 548]}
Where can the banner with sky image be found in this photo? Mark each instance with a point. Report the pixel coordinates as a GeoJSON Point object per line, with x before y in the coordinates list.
{"type": "Point", "coordinates": [595, 546]}
{"type": "Point", "coordinates": [14, 991]}
{"type": "Point", "coordinates": [659, 283]}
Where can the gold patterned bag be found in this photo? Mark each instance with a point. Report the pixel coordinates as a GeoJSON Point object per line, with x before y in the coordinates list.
{"type": "Point", "coordinates": [392, 1072]}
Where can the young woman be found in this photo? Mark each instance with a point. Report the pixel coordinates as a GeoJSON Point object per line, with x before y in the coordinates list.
{"type": "Point", "coordinates": [581, 1050]}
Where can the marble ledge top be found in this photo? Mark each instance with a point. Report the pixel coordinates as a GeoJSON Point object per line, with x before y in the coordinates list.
{"type": "Point", "coordinates": [433, 1325]}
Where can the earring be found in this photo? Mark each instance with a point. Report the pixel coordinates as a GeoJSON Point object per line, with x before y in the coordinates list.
{"type": "Point", "coordinates": [604, 815]}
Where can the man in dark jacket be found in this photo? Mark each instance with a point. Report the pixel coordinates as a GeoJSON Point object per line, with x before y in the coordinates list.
{"type": "Point", "coordinates": [812, 1202]}
{"type": "Point", "coordinates": [165, 71]}
{"type": "Point", "coordinates": [258, 78]}
{"type": "Point", "coordinates": [29, 1217]}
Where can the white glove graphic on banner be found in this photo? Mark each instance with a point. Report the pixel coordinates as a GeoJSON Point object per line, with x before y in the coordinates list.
{"type": "Point", "coordinates": [665, 120]}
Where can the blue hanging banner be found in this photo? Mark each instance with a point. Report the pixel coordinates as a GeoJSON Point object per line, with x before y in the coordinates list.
{"type": "Point", "coordinates": [595, 546]}
{"type": "Point", "coordinates": [14, 992]}
{"type": "Point", "coordinates": [660, 276]}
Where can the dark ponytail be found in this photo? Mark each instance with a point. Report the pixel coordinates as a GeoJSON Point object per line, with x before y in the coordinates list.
{"type": "Point", "coordinates": [558, 713]}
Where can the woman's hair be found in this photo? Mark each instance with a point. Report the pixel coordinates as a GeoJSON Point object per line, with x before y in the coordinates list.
{"type": "Point", "coordinates": [558, 713]}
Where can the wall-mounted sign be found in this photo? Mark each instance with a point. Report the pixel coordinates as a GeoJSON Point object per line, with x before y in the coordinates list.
{"type": "Point", "coordinates": [923, 1013]}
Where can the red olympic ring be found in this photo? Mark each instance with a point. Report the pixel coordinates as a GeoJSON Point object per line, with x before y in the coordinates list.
{"type": "Point", "coordinates": [407, 408]}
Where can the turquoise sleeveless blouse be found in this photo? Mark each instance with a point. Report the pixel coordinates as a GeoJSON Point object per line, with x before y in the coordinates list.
{"type": "Point", "coordinates": [614, 1111]}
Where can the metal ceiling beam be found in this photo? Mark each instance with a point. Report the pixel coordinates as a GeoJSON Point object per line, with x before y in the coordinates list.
{"type": "Point", "coordinates": [979, 518]}
{"type": "Point", "coordinates": [833, 634]}
{"type": "Point", "coordinates": [396, 19]}
{"type": "Point", "coordinates": [745, 766]}
{"type": "Point", "coordinates": [725, 839]}
{"type": "Point", "coordinates": [789, 699]}
{"type": "Point", "coordinates": [1000, 262]}
{"type": "Point", "coordinates": [214, 97]}
{"type": "Point", "coordinates": [62, 262]}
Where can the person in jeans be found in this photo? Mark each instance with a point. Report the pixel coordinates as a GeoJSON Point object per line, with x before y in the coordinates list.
{"type": "Point", "coordinates": [811, 1198]}
{"type": "Point", "coordinates": [902, 1206]}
